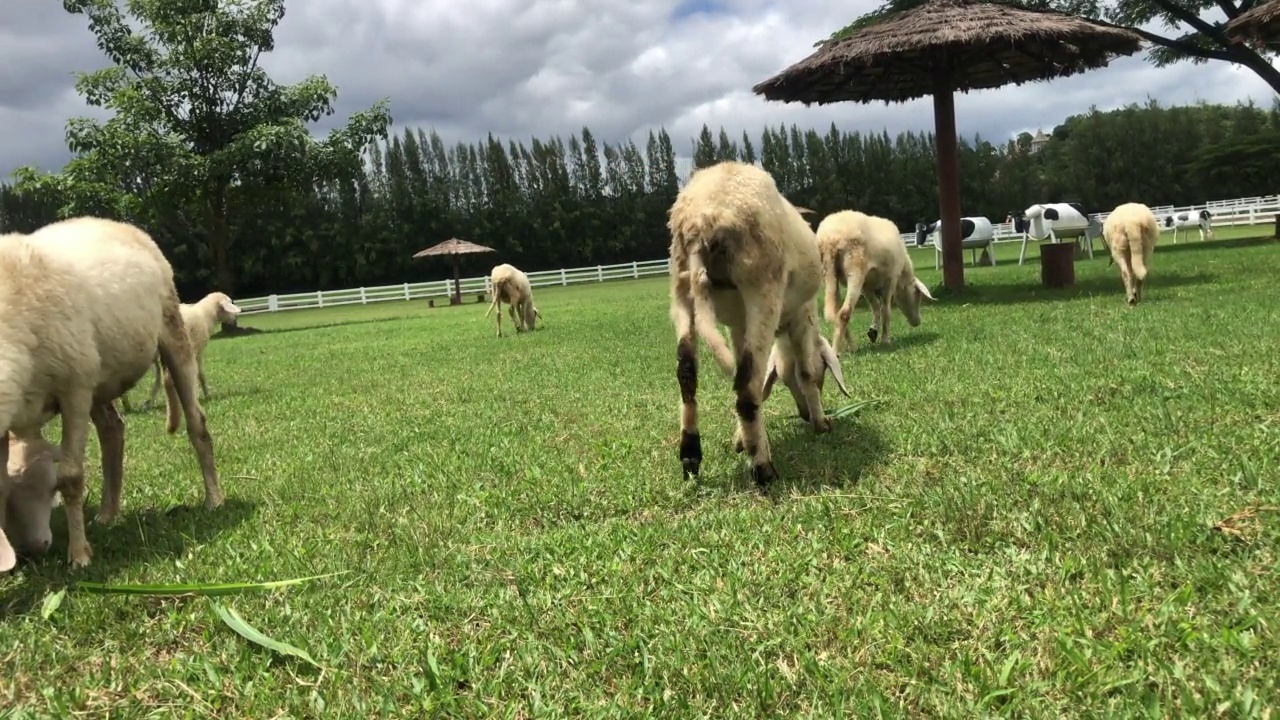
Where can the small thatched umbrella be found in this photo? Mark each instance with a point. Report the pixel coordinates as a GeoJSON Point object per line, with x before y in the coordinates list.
{"type": "Point", "coordinates": [937, 48]}
{"type": "Point", "coordinates": [1261, 24]}
{"type": "Point", "coordinates": [454, 247]}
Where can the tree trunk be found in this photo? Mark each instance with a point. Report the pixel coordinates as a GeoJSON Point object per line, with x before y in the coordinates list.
{"type": "Point", "coordinates": [1257, 63]}
{"type": "Point", "coordinates": [218, 240]}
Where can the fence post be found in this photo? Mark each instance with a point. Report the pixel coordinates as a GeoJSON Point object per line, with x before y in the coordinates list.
{"type": "Point", "coordinates": [563, 280]}
{"type": "Point", "coordinates": [320, 298]}
{"type": "Point", "coordinates": [406, 291]}
{"type": "Point", "coordinates": [635, 269]}
{"type": "Point", "coordinates": [599, 274]}
{"type": "Point", "coordinates": [363, 299]}
{"type": "Point", "coordinates": [273, 303]}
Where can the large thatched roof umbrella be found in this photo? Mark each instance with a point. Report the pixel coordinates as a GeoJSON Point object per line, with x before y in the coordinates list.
{"type": "Point", "coordinates": [454, 247]}
{"type": "Point", "coordinates": [1261, 24]}
{"type": "Point", "coordinates": [937, 48]}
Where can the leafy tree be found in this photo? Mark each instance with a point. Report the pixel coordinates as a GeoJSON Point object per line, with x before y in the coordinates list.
{"type": "Point", "coordinates": [198, 124]}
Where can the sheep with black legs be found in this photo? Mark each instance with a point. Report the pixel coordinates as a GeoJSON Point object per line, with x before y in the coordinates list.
{"type": "Point", "coordinates": [1131, 231]}
{"type": "Point", "coordinates": [74, 339]}
{"type": "Point", "coordinates": [866, 254]}
{"type": "Point", "coordinates": [975, 232]}
{"type": "Point", "coordinates": [743, 255]}
{"type": "Point", "coordinates": [1188, 219]}
{"type": "Point", "coordinates": [1054, 221]}
{"type": "Point", "coordinates": [512, 285]}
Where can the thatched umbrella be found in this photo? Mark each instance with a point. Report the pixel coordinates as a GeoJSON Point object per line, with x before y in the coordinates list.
{"type": "Point", "coordinates": [454, 247]}
{"type": "Point", "coordinates": [937, 48]}
{"type": "Point", "coordinates": [1261, 24]}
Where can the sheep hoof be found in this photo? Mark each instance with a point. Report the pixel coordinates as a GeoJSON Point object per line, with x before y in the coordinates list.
{"type": "Point", "coordinates": [105, 517]}
{"type": "Point", "coordinates": [823, 425]}
{"type": "Point", "coordinates": [79, 556]}
{"type": "Point", "coordinates": [764, 473]}
{"type": "Point", "coordinates": [872, 334]}
{"type": "Point", "coordinates": [690, 453]}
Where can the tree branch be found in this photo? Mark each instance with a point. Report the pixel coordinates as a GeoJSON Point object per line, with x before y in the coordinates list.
{"type": "Point", "coordinates": [1174, 9]}
{"type": "Point", "coordinates": [1185, 48]}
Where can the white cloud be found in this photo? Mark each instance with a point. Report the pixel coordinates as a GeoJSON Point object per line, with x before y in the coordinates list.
{"type": "Point", "coordinates": [520, 69]}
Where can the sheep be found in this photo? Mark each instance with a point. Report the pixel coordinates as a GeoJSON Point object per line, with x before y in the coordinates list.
{"type": "Point", "coordinates": [1131, 231]}
{"type": "Point", "coordinates": [867, 254]}
{"type": "Point", "coordinates": [199, 317]}
{"type": "Point", "coordinates": [975, 232]}
{"type": "Point", "coordinates": [1054, 220]}
{"type": "Point", "coordinates": [1189, 219]}
{"type": "Point", "coordinates": [74, 340]}
{"type": "Point", "coordinates": [513, 286]}
{"type": "Point", "coordinates": [741, 253]}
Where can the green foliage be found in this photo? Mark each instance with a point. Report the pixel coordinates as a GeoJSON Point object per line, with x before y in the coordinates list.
{"type": "Point", "coordinates": [198, 125]}
{"type": "Point", "coordinates": [1190, 37]}
{"type": "Point", "coordinates": [1041, 518]}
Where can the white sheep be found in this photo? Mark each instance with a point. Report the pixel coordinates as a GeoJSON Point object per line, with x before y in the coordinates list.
{"type": "Point", "coordinates": [866, 254]}
{"type": "Point", "coordinates": [200, 317]}
{"type": "Point", "coordinates": [1131, 231]}
{"type": "Point", "coordinates": [742, 254]}
{"type": "Point", "coordinates": [1050, 221]}
{"type": "Point", "coordinates": [74, 339]}
{"type": "Point", "coordinates": [1190, 219]}
{"type": "Point", "coordinates": [512, 285]}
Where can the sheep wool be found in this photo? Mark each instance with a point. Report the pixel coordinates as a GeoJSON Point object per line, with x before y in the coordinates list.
{"type": "Point", "coordinates": [75, 339]}
{"type": "Point", "coordinates": [1131, 231]}
{"type": "Point", "coordinates": [741, 253]}
{"type": "Point", "coordinates": [512, 285]}
{"type": "Point", "coordinates": [866, 254]}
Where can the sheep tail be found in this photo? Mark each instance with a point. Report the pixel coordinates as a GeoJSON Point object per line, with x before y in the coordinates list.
{"type": "Point", "coordinates": [831, 290]}
{"type": "Point", "coordinates": [497, 293]}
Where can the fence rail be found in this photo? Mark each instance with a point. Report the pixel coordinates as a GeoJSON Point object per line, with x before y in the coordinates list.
{"type": "Point", "coordinates": [1242, 211]}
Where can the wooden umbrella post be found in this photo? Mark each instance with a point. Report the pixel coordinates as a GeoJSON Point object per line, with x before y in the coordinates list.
{"type": "Point", "coordinates": [457, 282]}
{"type": "Point", "coordinates": [944, 118]}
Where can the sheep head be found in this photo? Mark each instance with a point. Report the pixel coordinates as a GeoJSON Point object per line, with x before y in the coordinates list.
{"type": "Point", "coordinates": [825, 354]}
{"type": "Point", "coordinates": [908, 296]}
{"type": "Point", "coordinates": [32, 491]}
{"type": "Point", "coordinates": [227, 310]}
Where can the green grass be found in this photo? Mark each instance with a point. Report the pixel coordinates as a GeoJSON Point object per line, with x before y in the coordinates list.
{"type": "Point", "coordinates": [1023, 525]}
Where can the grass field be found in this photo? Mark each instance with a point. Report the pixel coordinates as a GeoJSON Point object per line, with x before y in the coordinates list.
{"type": "Point", "coordinates": [1057, 508]}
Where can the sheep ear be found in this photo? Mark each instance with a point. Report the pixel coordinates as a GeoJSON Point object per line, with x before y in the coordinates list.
{"type": "Point", "coordinates": [230, 308]}
{"type": "Point", "coordinates": [7, 557]}
{"type": "Point", "coordinates": [923, 290]}
{"type": "Point", "coordinates": [770, 375]}
{"type": "Point", "coordinates": [832, 361]}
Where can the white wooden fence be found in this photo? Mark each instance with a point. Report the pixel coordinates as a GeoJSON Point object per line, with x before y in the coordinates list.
{"type": "Point", "coordinates": [1242, 211]}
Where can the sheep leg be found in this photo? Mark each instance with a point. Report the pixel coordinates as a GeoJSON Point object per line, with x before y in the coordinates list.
{"type": "Point", "coordinates": [886, 305]}
{"type": "Point", "coordinates": [204, 386]}
{"type": "Point", "coordinates": [75, 407]}
{"type": "Point", "coordinates": [498, 301]}
{"type": "Point", "coordinates": [854, 280]}
{"type": "Point", "coordinates": [155, 386]}
{"type": "Point", "coordinates": [180, 389]}
{"type": "Point", "coordinates": [110, 427]}
{"type": "Point", "coordinates": [687, 377]}
{"type": "Point", "coordinates": [761, 323]}
{"type": "Point", "coordinates": [1126, 276]}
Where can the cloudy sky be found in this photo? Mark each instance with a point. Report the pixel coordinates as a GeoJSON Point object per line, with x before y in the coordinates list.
{"type": "Point", "coordinates": [521, 68]}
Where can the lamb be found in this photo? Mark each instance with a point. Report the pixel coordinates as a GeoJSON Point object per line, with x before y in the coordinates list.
{"type": "Point", "coordinates": [74, 340]}
{"type": "Point", "coordinates": [866, 253]}
{"type": "Point", "coordinates": [199, 317]}
{"type": "Point", "coordinates": [1131, 231]}
{"type": "Point", "coordinates": [513, 286]}
{"type": "Point", "coordinates": [741, 253]}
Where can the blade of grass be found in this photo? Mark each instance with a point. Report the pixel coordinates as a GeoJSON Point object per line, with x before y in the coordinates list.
{"type": "Point", "coordinates": [252, 634]}
{"type": "Point", "coordinates": [196, 588]}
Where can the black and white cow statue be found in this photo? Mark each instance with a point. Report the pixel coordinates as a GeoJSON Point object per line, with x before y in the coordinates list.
{"type": "Point", "coordinates": [1188, 219]}
{"type": "Point", "coordinates": [1055, 222]}
{"type": "Point", "coordinates": [975, 232]}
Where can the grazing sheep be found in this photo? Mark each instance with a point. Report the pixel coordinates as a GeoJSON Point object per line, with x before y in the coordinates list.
{"type": "Point", "coordinates": [199, 317]}
{"type": "Point", "coordinates": [73, 341]}
{"type": "Point", "coordinates": [1050, 221]}
{"type": "Point", "coordinates": [741, 253]}
{"type": "Point", "coordinates": [1188, 219]}
{"type": "Point", "coordinates": [513, 286]}
{"type": "Point", "coordinates": [1131, 231]}
{"type": "Point", "coordinates": [866, 253]}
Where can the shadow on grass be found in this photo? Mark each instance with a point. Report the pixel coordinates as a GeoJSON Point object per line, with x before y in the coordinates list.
{"type": "Point", "coordinates": [1166, 246]}
{"type": "Point", "coordinates": [158, 408]}
{"type": "Point", "coordinates": [905, 341]}
{"type": "Point", "coordinates": [805, 461]}
{"type": "Point", "coordinates": [135, 538]}
{"type": "Point", "coordinates": [1032, 291]}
